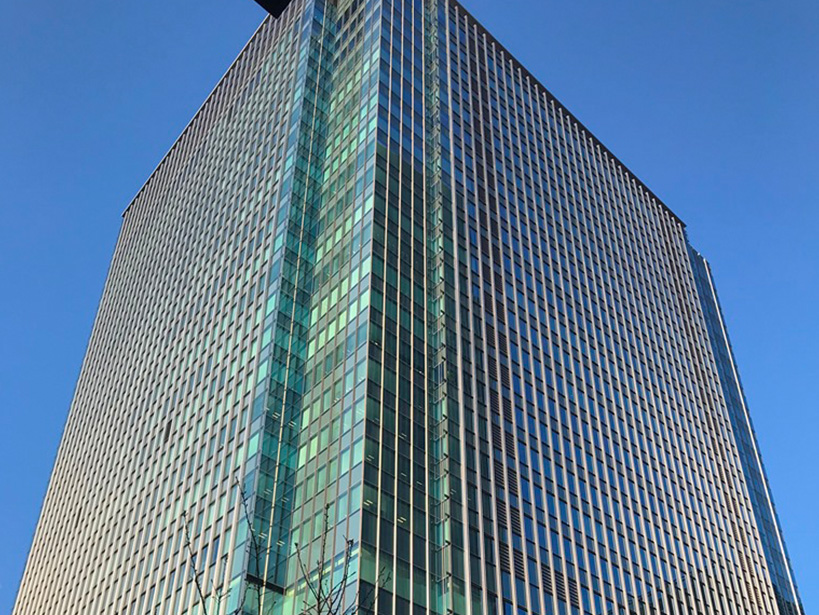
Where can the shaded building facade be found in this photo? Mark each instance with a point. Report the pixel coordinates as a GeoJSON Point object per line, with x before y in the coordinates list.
{"type": "Point", "coordinates": [386, 284]}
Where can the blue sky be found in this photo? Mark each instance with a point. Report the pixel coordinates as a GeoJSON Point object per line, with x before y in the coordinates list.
{"type": "Point", "coordinates": [715, 105]}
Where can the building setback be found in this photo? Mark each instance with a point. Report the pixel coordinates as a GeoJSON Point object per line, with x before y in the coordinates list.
{"type": "Point", "coordinates": [385, 284]}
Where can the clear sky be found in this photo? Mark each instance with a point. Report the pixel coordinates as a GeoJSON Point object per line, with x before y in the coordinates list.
{"type": "Point", "coordinates": [715, 105]}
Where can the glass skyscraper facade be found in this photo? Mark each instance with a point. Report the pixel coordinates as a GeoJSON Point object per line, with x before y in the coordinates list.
{"type": "Point", "coordinates": [386, 289]}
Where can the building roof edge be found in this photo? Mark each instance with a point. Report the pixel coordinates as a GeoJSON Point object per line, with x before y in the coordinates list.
{"type": "Point", "coordinates": [193, 119]}
{"type": "Point", "coordinates": [580, 124]}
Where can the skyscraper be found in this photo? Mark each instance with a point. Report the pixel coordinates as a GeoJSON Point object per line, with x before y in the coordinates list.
{"type": "Point", "coordinates": [385, 284]}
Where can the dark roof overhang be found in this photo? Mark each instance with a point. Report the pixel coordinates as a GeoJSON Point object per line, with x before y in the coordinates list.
{"type": "Point", "coordinates": [274, 7]}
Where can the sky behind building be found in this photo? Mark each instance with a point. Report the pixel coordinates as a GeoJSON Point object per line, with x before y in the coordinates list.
{"type": "Point", "coordinates": [712, 108]}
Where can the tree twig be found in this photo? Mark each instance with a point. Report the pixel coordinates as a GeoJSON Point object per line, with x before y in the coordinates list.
{"type": "Point", "coordinates": [253, 541]}
{"type": "Point", "coordinates": [196, 580]}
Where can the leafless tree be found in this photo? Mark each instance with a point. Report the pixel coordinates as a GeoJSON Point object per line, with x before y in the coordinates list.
{"type": "Point", "coordinates": [216, 593]}
{"type": "Point", "coordinates": [323, 596]}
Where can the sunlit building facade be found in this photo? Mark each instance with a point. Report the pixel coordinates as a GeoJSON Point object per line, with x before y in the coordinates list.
{"type": "Point", "coordinates": [388, 313]}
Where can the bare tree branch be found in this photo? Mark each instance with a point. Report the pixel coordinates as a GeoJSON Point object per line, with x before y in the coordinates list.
{"type": "Point", "coordinates": [323, 556]}
{"type": "Point", "coordinates": [329, 599]}
{"type": "Point", "coordinates": [325, 595]}
{"type": "Point", "coordinates": [254, 541]}
{"type": "Point", "coordinates": [196, 573]}
{"type": "Point", "coordinates": [383, 578]}
{"type": "Point", "coordinates": [337, 595]}
{"type": "Point", "coordinates": [306, 575]}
